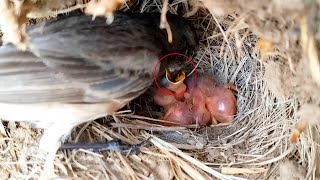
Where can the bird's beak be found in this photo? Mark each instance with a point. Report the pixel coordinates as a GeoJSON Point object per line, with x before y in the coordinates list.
{"type": "Point", "coordinates": [175, 80]}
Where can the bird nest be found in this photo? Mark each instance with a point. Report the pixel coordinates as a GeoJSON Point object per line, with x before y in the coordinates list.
{"type": "Point", "coordinates": [261, 47]}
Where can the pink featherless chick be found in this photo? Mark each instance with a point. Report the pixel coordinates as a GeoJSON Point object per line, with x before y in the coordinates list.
{"type": "Point", "coordinates": [220, 101]}
{"type": "Point", "coordinates": [163, 99]}
{"type": "Point", "coordinates": [177, 112]}
{"type": "Point", "coordinates": [198, 100]}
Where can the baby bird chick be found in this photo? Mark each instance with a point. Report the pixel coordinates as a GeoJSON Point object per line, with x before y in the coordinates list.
{"type": "Point", "coordinates": [201, 114]}
{"type": "Point", "coordinates": [176, 112]}
{"type": "Point", "coordinates": [207, 103]}
{"type": "Point", "coordinates": [163, 99]}
{"type": "Point", "coordinates": [220, 100]}
{"type": "Point", "coordinates": [179, 113]}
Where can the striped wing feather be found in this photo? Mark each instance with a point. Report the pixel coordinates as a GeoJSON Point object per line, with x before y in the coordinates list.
{"type": "Point", "coordinates": [77, 60]}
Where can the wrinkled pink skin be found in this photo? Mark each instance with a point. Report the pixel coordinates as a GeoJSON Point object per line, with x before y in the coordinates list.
{"type": "Point", "coordinates": [163, 100]}
{"type": "Point", "coordinates": [178, 89]}
{"type": "Point", "coordinates": [201, 114]}
{"type": "Point", "coordinates": [180, 114]}
{"type": "Point", "coordinates": [207, 103]}
{"type": "Point", "coordinates": [177, 112]}
{"type": "Point", "coordinates": [220, 101]}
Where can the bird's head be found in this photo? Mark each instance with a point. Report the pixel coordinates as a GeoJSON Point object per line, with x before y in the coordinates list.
{"type": "Point", "coordinates": [184, 41]}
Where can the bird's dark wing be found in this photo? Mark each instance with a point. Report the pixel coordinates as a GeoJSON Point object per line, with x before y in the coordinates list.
{"type": "Point", "coordinates": [25, 78]}
{"type": "Point", "coordinates": [79, 61]}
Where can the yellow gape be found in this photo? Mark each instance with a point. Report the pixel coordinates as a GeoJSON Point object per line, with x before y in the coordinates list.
{"type": "Point", "coordinates": [176, 80]}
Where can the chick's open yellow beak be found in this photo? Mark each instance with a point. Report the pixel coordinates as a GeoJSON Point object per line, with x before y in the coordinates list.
{"type": "Point", "coordinates": [178, 79]}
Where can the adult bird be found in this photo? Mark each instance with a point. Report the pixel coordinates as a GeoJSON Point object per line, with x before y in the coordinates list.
{"type": "Point", "coordinates": [76, 70]}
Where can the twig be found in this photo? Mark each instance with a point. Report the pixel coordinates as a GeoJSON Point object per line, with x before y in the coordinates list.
{"type": "Point", "coordinates": [146, 127]}
{"type": "Point", "coordinates": [163, 21]}
{"type": "Point", "coordinates": [232, 170]}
